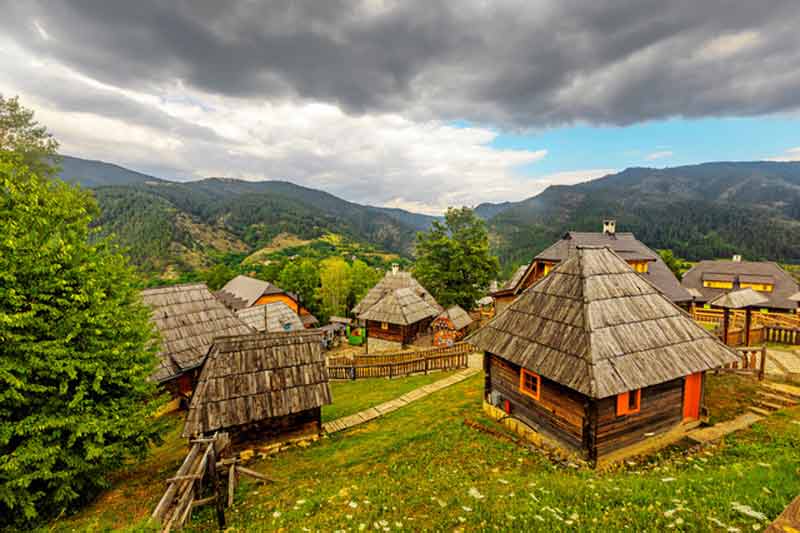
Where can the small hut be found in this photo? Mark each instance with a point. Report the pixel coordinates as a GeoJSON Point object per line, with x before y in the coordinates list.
{"type": "Point", "coordinates": [396, 319]}
{"type": "Point", "coordinates": [596, 361]}
{"type": "Point", "coordinates": [395, 279]}
{"type": "Point", "coordinates": [243, 291]}
{"type": "Point", "coordinates": [188, 317]}
{"type": "Point", "coordinates": [261, 387]}
{"type": "Point", "coordinates": [746, 299]}
{"type": "Point", "coordinates": [450, 326]}
{"type": "Point", "coordinates": [273, 317]}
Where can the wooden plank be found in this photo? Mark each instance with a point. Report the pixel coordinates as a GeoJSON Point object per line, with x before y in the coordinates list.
{"type": "Point", "coordinates": [252, 473]}
{"type": "Point", "coordinates": [166, 499]}
{"type": "Point", "coordinates": [231, 484]}
{"type": "Point", "coordinates": [788, 521]}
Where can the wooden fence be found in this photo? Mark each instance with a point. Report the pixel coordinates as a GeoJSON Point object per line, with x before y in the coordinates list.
{"type": "Point", "coordinates": [753, 360]}
{"type": "Point", "coordinates": [399, 364]}
{"type": "Point", "coordinates": [736, 336]}
{"type": "Point", "coordinates": [782, 335]}
{"type": "Point", "coordinates": [737, 317]}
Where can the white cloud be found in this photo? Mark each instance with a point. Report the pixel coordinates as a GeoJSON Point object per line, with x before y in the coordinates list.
{"type": "Point", "coordinates": [792, 154]}
{"type": "Point", "coordinates": [727, 45]}
{"type": "Point", "coordinates": [659, 155]}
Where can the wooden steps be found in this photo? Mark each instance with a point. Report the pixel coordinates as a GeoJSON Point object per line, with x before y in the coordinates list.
{"type": "Point", "coordinates": [772, 397]}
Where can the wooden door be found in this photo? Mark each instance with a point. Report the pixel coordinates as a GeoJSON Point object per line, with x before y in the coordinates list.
{"type": "Point", "coordinates": [692, 389]}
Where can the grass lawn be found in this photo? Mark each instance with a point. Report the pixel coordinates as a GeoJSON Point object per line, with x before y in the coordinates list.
{"type": "Point", "coordinates": [353, 396]}
{"type": "Point", "coordinates": [728, 395]}
{"type": "Point", "coordinates": [421, 468]}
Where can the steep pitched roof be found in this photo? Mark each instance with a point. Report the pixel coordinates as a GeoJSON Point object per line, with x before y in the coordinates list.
{"type": "Point", "coordinates": [244, 291]}
{"type": "Point", "coordinates": [457, 317]}
{"type": "Point", "coordinates": [250, 378]}
{"type": "Point", "coordinates": [400, 306]}
{"type": "Point", "coordinates": [188, 318]}
{"type": "Point", "coordinates": [596, 326]}
{"type": "Point", "coordinates": [273, 317]}
{"type": "Point", "coordinates": [627, 246]}
{"type": "Point", "coordinates": [784, 285]}
{"type": "Point", "coordinates": [516, 278]}
{"type": "Point", "coordinates": [394, 280]}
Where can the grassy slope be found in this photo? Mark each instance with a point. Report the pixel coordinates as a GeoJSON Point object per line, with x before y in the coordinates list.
{"type": "Point", "coordinates": [415, 468]}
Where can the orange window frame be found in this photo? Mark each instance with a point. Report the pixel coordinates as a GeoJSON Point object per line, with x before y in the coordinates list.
{"type": "Point", "coordinates": [523, 385]}
{"type": "Point", "coordinates": [384, 325]}
{"type": "Point", "coordinates": [624, 402]}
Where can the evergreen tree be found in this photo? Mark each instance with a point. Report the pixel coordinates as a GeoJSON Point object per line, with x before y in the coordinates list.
{"type": "Point", "coordinates": [76, 348]}
{"type": "Point", "coordinates": [453, 259]}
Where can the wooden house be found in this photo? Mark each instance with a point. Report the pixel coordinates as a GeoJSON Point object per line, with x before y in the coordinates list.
{"type": "Point", "coordinates": [188, 317]}
{"type": "Point", "coordinates": [641, 258]}
{"type": "Point", "coordinates": [596, 361]}
{"type": "Point", "coordinates": [397, 319]}
{"type": "Point", "coordinates": [243, 291]}
{"type": "Point", "coordinates": [710, 279]}
{"type": "Point", "coordinates": [450, 326]}
{"type": "Point", "coordinates": [274, 317]}
{"type": "Point", "coordinates": [261, 388]}
{"type": "Point", "coordinates": [395, 279]}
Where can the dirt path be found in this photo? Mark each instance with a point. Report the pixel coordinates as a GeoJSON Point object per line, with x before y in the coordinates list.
{"type": "Point", "coordinates": [783, 363]}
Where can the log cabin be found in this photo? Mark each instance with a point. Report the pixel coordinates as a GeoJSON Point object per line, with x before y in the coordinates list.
{"type": "Point", "coordinates": [394, 279]}
{"type": "Point", "coordinates": [261, 388]}
{"type": "Point", "coordinates": [450, 326]}
{"type": "Point", "coordinates": [641, 258]}
{"type": "Point", "coordinates": [708, 280]}
{"type": "Point", "coordinates": [596, 362]}
{"type": "Point", "coordinates": [188, 317]}
{"type": "Point", "coordinates": [273, 317]}
{"type": "Point", "coordinates": [396, 319]}
{"type": "Point", "coordinates": [243, 291]}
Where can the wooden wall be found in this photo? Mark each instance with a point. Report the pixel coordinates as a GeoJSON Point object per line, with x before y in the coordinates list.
{"type": "Point", "coordinates": [394, 333]}
{"type": "Point", "coordinates": [661, 408]}
{"type": "Point", "coordinates": [308, 422]}
{"type": "Point", "coordinates": [285, 298]}
{"type": "Point", "coordinates": [559, 412]}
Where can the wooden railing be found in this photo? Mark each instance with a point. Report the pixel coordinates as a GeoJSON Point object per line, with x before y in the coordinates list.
{"type": "Point", "coordinates": [737, 318]}
{"type": "Point", "coordinates": [781, 335]}
{"type": "Point", "coordinates": [399, 364]}
{"type": "Point", "coordinates": [736, 336]}
{"type": "Point", "coordinates": [753, 360]}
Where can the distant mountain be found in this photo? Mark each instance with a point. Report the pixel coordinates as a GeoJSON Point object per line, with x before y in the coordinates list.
{"type": "Point", "coordinates": [699, 211]}
{"type": "Point", "coordinates": [166, 223]}
{"type": "Point", "coordinates": [489, 210]}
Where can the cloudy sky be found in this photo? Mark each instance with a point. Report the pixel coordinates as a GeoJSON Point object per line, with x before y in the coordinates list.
{"type": "Point", "coordinates": [410, 104]}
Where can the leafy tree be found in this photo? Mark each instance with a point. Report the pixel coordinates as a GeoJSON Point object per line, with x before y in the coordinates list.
{"type": "Point", "coordinates": [302, 278]}
{"type": "Point", "coordinates": [218, 276]}
{"type": "Point", "coordinates": [335, 286]}
{"type": "Point", "coordinates": [76, 348]}
{"type": "Point", "coordinates": [453, 259]}
{"type": "Point", "coordinates": [363, 278]}
{"type": "Point", "coordinates": [21, 134]}
{"type": "Point", "coordinates": [677, 265]}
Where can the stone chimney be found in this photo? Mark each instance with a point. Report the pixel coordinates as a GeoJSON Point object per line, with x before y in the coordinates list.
{"type": "Point", "coordinates": [737, 258]}
{"type": "Point", "coordinates": [609, 226]}
{"type": "Point", "coordinates": [395, 268]}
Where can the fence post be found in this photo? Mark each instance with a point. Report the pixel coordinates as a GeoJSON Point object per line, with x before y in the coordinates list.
{"type": "Point", "coordinates": [426, 365]}
{"type": "Point", "coordinates": [763, 365]}
{"type": "Point", "coordinates": [214, 478]}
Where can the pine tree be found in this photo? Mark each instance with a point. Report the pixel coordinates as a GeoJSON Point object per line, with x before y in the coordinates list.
{"type": "Point", "coordinates": [76, 348]}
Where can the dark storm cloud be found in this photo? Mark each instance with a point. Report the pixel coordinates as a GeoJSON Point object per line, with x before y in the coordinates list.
{"type": "Point", "coordinates": [527, 64]}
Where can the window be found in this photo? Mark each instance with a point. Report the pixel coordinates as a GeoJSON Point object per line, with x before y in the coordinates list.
{"type": "Point", "coordinates": [639, 266]}
{"type": "Point", "coordinates": [629, 402]}
{"type": "Point", "coordinates": [530, 383]}
{"type": "Point", "coordinates": [717, 284]}
{"type": "Point", "coordinates": [384, 325]}
{"type": "Point", "coordinates": [761, 287]}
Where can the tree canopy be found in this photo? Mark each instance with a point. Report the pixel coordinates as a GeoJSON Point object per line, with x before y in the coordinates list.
{"type": "Point", "coordinates": [453, 259]}
{"type": "Point", "coordinates": [76, 346]}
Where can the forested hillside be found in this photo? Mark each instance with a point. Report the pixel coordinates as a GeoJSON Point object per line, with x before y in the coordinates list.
{"type": "Point", "coordinates": [699, 211]}
{"type": "Point", "coordinates": [188, 226]}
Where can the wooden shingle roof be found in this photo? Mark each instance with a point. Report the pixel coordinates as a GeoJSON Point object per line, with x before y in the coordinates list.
{"type": "Point", "coordinates": [457, 317]}
{"type": "Point", "coordinates": [391, 281]}
{"type": "Point", "coordinates": [273, 317]}
{"type": "Point", "coordinates": [251, 378]}
{"type": "Point", "coordinates": [244, 291]}
{"type": "Point", "coordinates": [596, 326]}
{"type": "Point", "coordinates": [400, 306]}
{"type": "Point", "coordinates": [739, 299]}
{"type": "Point", "coordinates": [188, 317]}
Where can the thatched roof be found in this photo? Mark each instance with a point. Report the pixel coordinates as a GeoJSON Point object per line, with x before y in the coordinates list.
{"type": "Point", "coordinates": [188, 317]}
{"type": "Point", "coordinates": [273, 317]}
{"type": "Point", "coordinates": [394, 279]}
{"type": "Point", "coordinates": [739, 299]}
{"type": "Point", "coordinates": [596, 326]}
{"type": "Point", "coordinates": [244, 291]}
{"type": "Point", "coordinates": [457, 317]}
{"type": "Point", "coordinates": [251, 378]}
{"type": "Point", "coordinates": [738, 272]}
{"type": "Point", "coordinates": [400, 306]}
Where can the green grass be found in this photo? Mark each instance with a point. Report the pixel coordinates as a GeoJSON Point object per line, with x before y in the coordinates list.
{"type": "Point", "coordinates": [728, 395]}
{"type": "Point", "coordinates": [350, 397]}
{"type": "Point", "coordinates": [420, 468]}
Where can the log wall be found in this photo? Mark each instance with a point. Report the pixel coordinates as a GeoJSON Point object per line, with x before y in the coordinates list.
{"type": "Point", "coordinates": [559, 412]}
{"type": "Point", "coordinates": [308, 422]}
